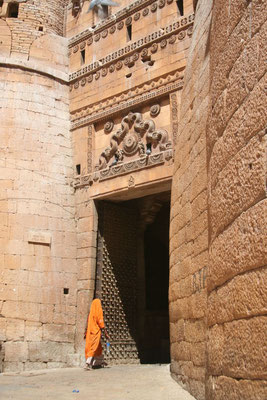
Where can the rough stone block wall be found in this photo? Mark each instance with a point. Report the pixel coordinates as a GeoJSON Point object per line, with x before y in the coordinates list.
{"type": "Point", "coordinates": [236, 139]}
{"type": "Point", "coordinates": [37, 228]}
{"type": "Point", "coordinates": [189, 218]}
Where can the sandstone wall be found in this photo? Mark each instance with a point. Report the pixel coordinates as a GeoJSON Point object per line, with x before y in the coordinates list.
{"type": "Point", "coordinates": [189, 218]}
{"type": "Point", "coordinates": [236, 139]}
{"type": "Point", "coordinates": [223, 104]}
{"type": "Point", "coordinates": [38, 268]}
{"type": "Point", "coordinates": [35, 18]}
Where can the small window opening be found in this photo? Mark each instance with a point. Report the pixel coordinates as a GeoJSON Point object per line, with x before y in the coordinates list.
{"type": "Point", "coordinates": [13, 10]}
{"type": "Point", "coordinates": [41, 28]}
{"type": "Point", "coordinates": [250, 165]}
{"type": "Point", "coordinates": [66, 290]}
{"type": "Point", "coordinates": [180, 6]}
{"type": "Point", "coordinates": [128, 75]}
{"type": "Point", "coordinates": [78, 169]}
{"type": "Point", "coordinates": [129, 33]}
{"type": "Point", "coordinates": [82, 57]}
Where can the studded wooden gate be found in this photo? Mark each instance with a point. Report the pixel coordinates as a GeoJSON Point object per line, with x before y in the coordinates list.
{"type": "Point", "coordinates": [117, 278]}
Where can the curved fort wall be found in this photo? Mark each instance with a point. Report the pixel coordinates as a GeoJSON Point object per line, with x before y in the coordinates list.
{"type": "Point", "coordinates": [236, 149]}
{"type": "Point", "coordinates": [37, 236]}
{"type": "Point", "coordinates": [218, 258]}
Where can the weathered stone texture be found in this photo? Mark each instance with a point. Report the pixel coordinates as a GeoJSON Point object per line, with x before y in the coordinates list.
{"type": "Point", "coordinates": [189, 218]}
{"type": "Point", "coordinates": [237, 205]}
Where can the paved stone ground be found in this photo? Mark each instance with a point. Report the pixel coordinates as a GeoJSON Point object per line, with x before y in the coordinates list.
{"type": "Point", "coordinates": [137, 382]}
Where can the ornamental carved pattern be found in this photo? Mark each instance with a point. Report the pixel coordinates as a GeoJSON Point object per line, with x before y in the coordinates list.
{"type": "Point", "coordinates": [159, 39]}
{"type": "Point", "coordinates": [174, 116]}
{"type": "Point", "coordinates": [135, 136]}
{"type": "Point", "coordinates": [90, 149]}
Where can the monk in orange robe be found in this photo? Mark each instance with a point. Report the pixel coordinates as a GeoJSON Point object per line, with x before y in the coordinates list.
{"type": "Point", "coordinates": [95, 324]}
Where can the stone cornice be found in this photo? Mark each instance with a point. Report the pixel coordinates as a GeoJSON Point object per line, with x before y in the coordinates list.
{"type": "Point", "coordinates": [161, 34]}
{"type": "Point", "coordinates": [130, 99]}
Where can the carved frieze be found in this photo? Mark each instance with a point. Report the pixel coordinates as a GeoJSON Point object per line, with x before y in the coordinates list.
{"type": "Point", "coordinates": [113, 19]}
{"type": "Point", "coordinates": [177, 29]}
{"type": "Point", "coordinates": [145, 161]}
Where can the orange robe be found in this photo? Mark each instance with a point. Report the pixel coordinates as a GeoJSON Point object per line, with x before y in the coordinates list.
{"type": "Point", "coordinates": [95, 324]}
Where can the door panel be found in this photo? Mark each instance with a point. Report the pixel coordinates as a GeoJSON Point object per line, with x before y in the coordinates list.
{"type": "Point", "coordinates": [117, 278]}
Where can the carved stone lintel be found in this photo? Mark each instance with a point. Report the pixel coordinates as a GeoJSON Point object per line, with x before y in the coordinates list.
{"type": "Point", "coordinates": [125, 168]}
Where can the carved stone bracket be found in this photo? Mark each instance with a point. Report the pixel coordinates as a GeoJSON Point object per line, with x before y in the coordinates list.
{"type": "Point", "coordinates": [135, 136]}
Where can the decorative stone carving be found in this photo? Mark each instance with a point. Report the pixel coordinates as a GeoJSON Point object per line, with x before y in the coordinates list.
{"type": "Point", "coordinates": [90, 78]}
{"type": "Point", "coordinates": [154, 48]}
{"type": "Point", "coordinates": [109, 125]}
{"type": "Point", "coordinates": [83, 82]}
{"type": "Point", "coordinates": [144, 52]}
{"type": "Point", "coordinates": [163, 43]}
{"type": "Point", "coordinates": [165, 33]}
{"type": "Point", "coordinates": [181, 35]}
{"type": "Point", "coordinates": [104, 33]}
{"type": "Point", "coordinates": [82, 45]}
{"type": "Point", "coordinates": [112, 29]}
{"type": "Point", "coordinates": [111, 68]}
{"type": "Point", "coordinates": [154, 7]}
{"type": "Point", "coordinates": [145, 12]}
{"type": "Point", "coordinates": [75, 49]}
{"type": "Point", "coordinates": [119, 65]}
{"type": "Point", "coordinates": [131, 181]}
{"type": "Point", "coordinates": [172, 39]}
{"type": "Point", "coordinates": [154, 110]}
{"type": "Point", "coordinates": [97, 37]}
{"type": "Point", "coordinates": [97, 75]}
{"type": "Point", "coordinates": [104, 71]}
{"type": "Point", "coordinates": [89, 149]}
{"type": "Point", "coordinates": [134, 130]}
{"type": "Point", "coordinates": [90, 41]}
{"type": "Point", "coordinates": [124, 168]}
{"type": "Point", "coordinates": [137, 16]}
{"type": "Point", "coordinates": [120, 25]}
{"type": "Point", "coordinates": [161, 3]}
{"type": "Point", "coordinates": [174, 115]}
{"type": "Point", "coordinates": [128, 21]}
{"type": "Point", "coordinates": [190, 31]}
{"type": "Point", "coordinates": [138, 96]}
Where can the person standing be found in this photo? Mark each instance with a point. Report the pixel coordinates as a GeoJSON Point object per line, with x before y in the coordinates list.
{"type": "Point", "coordinates": [95, 324]}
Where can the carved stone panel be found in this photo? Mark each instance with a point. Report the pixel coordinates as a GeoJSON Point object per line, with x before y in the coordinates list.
{"type": "Point", "coordinates": [136, 137]}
